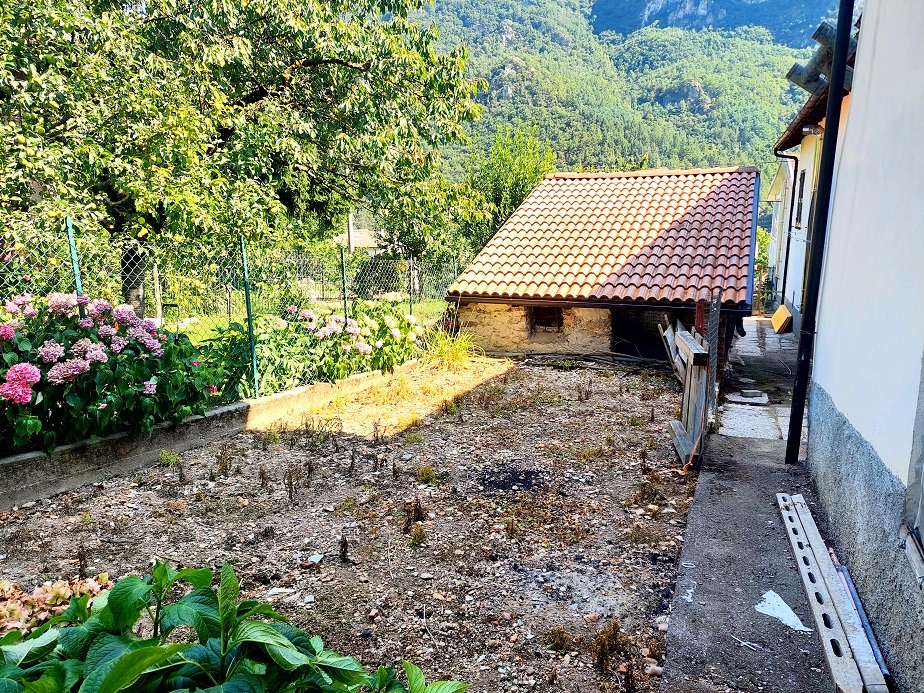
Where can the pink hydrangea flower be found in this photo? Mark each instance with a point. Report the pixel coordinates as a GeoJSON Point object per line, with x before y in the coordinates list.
{"type": "Point", "coordinates": [137, 332]}
{"type": "Point", "coordinates": [60, 303]}
{"type": "Point", "coordinates": [97, 354]}
{"type": "Point", "coordinates": [99, 307]}
{"type": "Point", "coordinates": [82, 300]}
{"type": "Point", "coordinates": [307, 314]}
{"type": "Point", "coordinates": [7, 330]}
{"type": "Point", "coordinates": [23, 373]}
{"type": "Point", "coordinates": [157, 353]}
{"type": "Point", "coordinates": [378, 344]}
{"type": "Point", "coordinates": [346, 347]}
{"type": "Point", "coordinates": [22, 299]}
{"type": "Point", "coordinates": [213, 390]}
{"type": "Point", "coordinates": [150, 387]}
{"type": "Point", "coordinates": [106, 331]}
{"type": "Point", "coordinates": [30, 311]}
{"type": "Point", "coordinates": [396, 333]}
{"type": "Point", "coordinates": [352, 327]}
{"type": "Point", "coordinates": [337, 319]}
{"type": "Point", "coordinates": [363, 348]}
{"type": "Point", "coordinates": [81, 347]}
{"type": "Point", "coordinates": [11, 308]}
{"type": "Point", "coordinates": [117, 344]}
{"type": "Point", "coordinates": [85, 323]}
{"type": "Point", "coordinates": [51, 351]}
{"type": "Point", "coordinates": [149, 325]}
{"type": "Point", "coordinates": [125, 315]}
{"type": "Point", "coordinates": [20, 393]}
{"type": "Point", "coordinates": [291, 310]}
{"type": "Point", "coordinates": [67, 371]}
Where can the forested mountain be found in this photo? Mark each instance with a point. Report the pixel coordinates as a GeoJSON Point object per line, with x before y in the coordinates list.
{"type": "Point", "coordinates": [663, 96]}
{"type": "Point", "coordinates": [789, 21]}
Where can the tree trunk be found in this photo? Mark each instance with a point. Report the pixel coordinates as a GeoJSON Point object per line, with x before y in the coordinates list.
{"type": "Point", "coordinates": [134, 267]}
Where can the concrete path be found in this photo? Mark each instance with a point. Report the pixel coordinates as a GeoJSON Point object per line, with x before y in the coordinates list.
{"type": "Point", "coordinates": [736, 548]}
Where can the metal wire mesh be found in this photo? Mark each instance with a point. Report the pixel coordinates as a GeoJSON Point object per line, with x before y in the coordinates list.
{"type": "Point", "coordinates": [199, 290]}
{"type": "Point", "coordinates": [713, 320]}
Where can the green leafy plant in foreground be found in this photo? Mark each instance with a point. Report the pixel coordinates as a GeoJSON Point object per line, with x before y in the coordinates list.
{"type": "Point", "coordinates": [135, 638]}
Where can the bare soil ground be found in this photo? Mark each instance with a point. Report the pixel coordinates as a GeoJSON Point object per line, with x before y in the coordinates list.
{"type": "Point", "coordinates": [549, 507]}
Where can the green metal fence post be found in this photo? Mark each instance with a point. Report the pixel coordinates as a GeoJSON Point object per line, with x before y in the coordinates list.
{"type": "Point", "coordinates": [75, 265]}
{"type": "Point", "coordinates": [253, 345]}
{"type": "Point", "coordinates": [410, 286]}
{"type": "Point", "coordinates": [346, 314]}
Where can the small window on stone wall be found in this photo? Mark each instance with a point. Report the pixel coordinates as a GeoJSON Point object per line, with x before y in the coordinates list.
{"type": "Point", "coordinates": [542, 319]}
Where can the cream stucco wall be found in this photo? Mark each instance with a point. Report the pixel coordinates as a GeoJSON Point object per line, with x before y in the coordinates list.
{"type": "Point", "coordinates": [504, 328]}
{"type": "Point", "coordinates": [870, 342]}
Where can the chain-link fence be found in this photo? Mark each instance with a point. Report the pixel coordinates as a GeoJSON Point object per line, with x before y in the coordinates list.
{"type": "Point", "coordinates": [713, 324]}
{"type": "Point", "coordinates": [199, 290]}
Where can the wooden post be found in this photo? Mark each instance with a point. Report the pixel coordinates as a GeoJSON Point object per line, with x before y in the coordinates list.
{"type": "Point", "coordinates": [700, 322]}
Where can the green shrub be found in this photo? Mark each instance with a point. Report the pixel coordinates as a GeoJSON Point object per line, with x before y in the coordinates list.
{"type": "Point", "coordinates": [207, 639]}
{"type": "Point", "coordinates": [64, 378]}
{"type": "Point", "coordinates": [316, 345]}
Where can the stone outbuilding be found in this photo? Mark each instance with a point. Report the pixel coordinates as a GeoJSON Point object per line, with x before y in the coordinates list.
{"type": "Point", "coordinates": [593, 262]}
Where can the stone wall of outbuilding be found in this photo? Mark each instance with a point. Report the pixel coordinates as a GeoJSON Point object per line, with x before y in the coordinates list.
{"type": "Point", "coordinates": [503, 328]}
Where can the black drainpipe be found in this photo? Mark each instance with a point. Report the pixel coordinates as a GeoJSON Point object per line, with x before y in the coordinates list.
{"type": "Point", "coordinates": [819, 229]}
{"type": "Point", "coordinates": [792, 207]}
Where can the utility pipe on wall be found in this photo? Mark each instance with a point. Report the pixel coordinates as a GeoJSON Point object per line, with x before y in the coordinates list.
{"type": "Point", "coordinates": [819, 229]}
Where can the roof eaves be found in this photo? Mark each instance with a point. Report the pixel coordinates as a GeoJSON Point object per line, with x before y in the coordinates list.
{"type": "Point", "coordinates": [811, 113]}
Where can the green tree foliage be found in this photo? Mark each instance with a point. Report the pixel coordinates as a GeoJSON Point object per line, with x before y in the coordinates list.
{"type": "Point", "coordinates": [725, 90]}
{"type": "Point", "coordinates": [518, 160]}
{"type": "Point", "coordinates": [680, 98]}
{"type": "Point", "coordinates": [762, 259]}
{"type": "Point", "coordinates": [200, 120]}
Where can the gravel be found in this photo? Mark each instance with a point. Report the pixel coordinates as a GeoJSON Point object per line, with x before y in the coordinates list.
{"type": "Point", "coordinates": [537, 496]}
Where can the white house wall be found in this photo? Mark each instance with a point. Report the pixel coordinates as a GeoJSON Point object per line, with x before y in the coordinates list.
{"type": "Point", "coordinates": [871, 328]}
{"type": "Point", "coordinates": [866, 417]}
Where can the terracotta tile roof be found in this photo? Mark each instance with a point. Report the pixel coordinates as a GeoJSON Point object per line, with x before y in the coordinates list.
{"type": "Point", "coordinates": [644, 236]}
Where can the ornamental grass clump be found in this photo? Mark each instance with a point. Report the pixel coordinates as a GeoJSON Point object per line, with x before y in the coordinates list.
{"type": "Point", "coordinates": [450, 351]}
{"type": "Point", "coordinates": [72, 369]}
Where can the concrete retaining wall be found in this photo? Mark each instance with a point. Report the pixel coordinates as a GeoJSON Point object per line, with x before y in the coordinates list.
{"type": "Point", "coordinates": [503, 328]}
{"type": "Point", "coordinates": [29, 476]}
{"type": "Point", "coordinates": [865, 506]}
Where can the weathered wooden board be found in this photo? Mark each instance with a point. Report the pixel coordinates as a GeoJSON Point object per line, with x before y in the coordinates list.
{"type": "Point", "coordinates": [693, 350]}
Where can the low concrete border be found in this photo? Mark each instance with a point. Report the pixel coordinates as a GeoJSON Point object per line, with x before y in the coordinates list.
{"type": "Point", "coordinates": [29, 476]}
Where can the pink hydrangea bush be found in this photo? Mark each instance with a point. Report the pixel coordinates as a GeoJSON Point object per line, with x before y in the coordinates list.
{"type": "Point", "coordinates": [308, 345]}
{"type": "Point", "coordinates": [72, 368]}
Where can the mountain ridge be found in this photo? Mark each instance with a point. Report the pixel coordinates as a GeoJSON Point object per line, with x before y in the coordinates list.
{"type": "Point", "coordinates": [790, 21]}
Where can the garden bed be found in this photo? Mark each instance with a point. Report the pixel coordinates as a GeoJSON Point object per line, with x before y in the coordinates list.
{"type": "Point", "coordinates": [548, 507]}
{"type": "Point", "coordinates": [29, 476]}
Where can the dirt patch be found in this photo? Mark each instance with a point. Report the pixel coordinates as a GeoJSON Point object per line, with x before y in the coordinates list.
{"type": "Point", "coordinates": [480, 511]}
